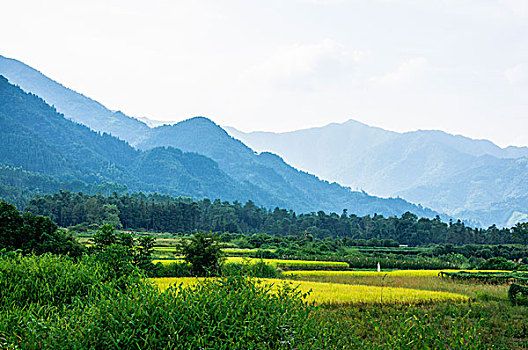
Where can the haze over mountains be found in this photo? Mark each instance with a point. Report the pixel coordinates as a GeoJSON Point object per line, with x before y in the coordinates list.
{"type": "Point", "coordinates": [73, 105]}
{"type": "Point", "coordinates": [470, 179]}
{"type": "Point", "coordinates": [45, 152]}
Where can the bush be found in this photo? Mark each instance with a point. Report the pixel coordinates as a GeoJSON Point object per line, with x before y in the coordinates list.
{"type": "Point", "coordinates": [518, 294]}
{"type": "Point", "coordinates": [34, 234]}
{"type": "Point", "coordinates": [499, 263]}
{"type": "Point", "coordinates": [258, 269]}
{"type": "Point", "coordinates": [266, 254]}
{"type": "Point", "coordinates": [172, 270]}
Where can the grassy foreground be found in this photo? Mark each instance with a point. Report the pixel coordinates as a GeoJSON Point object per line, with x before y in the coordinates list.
{"type": "Point", "coordinates": [486, 321]}
{"type": "Point", "coordinates": [51, 302]}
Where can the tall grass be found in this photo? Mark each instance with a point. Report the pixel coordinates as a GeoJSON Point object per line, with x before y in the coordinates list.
{"type": "Point", "coordinates": [55, 303]}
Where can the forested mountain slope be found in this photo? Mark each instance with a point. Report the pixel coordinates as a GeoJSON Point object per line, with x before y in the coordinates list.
{"type": "Point", "coordinates": [40, 146]}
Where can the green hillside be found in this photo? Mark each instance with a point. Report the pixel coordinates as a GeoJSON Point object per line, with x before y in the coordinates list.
{"type": "Point", "coordinates": [44, 152]}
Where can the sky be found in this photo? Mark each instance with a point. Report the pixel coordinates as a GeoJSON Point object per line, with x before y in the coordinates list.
{"type": "Point", "coordinates": [276, 65]}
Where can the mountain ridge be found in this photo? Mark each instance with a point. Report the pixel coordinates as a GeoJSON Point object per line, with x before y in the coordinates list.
{"type": "Point", "coordinates": [264, 170]}
{"type": "Point", "coordinates": [449, 173]}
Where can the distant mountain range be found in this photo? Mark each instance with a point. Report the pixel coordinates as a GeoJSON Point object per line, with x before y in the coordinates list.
{"type": "Point", "coordinates": [45, 152]}
{"type": "Point", "coordinates": [472, 179]}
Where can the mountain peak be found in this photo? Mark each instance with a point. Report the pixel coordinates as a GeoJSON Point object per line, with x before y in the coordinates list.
{"type": "Point", "coordinates": [199, 119]}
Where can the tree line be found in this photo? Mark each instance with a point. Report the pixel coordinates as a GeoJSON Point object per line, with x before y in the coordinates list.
{"type": "Point", "coordinates": [163, 213]}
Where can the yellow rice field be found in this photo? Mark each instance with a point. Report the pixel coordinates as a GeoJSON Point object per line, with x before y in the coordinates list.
{"type": "Point", "coordinates": [236, 259]}
{"type": "Point", "coordinates": [165, 249]}
{"type": "Point", "coordinates": [166, 262]}
{"type": "Point", "coordinates": [335, 293]}
{"type": "Point", "coordinates": [238, 250]}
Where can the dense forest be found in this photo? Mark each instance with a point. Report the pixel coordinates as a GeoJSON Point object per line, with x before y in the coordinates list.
{"type": "Point", "coordinates": [162, 213]}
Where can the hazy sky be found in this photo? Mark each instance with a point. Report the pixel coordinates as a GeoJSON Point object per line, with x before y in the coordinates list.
{"type": "Point", "coordinates": [456, 65]}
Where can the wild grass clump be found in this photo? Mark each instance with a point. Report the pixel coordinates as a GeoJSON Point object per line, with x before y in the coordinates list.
{"type": "Point", "coordinates": [53, 280]}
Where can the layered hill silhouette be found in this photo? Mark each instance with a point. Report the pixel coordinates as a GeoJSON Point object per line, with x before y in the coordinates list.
{"type": "Point", "coordinates": [46, 152]}
{"type": "Point", "coordinates": [472, 179]}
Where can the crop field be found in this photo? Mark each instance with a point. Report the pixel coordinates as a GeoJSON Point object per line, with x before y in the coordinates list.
{"type": "Point", "coordinates": [412, 279]}
{"type": "Point", "coordinates": [338, 294]}
{"type": "Point", "coordinates": [281, 262]}
{"type": "Point", "coordinates": [165, 249]}
{"type": "Point", "coordinates": [167, 261]}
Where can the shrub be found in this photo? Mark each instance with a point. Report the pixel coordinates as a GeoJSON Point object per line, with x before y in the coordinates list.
{"type": "Point", "coordinates": [266, 254]}
{"type": "Point", "coordinates": [518, 294]}
{"type": "Point", "coordinates": [499, 263]}
{"type": "Point", "coordinates": [34, 234]}
{"type": "Point", "coordinates": [255, 269]}
{"type": "Point", "coordinates": [172, 270]}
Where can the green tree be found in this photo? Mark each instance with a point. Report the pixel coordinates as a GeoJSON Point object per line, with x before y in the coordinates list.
{"type": "Point", "coordinates": [104, 237]}
{"type": "Point", "coordinates": [520, 233]}
{"type": "Point", "coordinates": [144, 249]}
{"type": "Point", "coordinates": [111, 215]}
{"type": "Point", "coordinates": [203, 252]}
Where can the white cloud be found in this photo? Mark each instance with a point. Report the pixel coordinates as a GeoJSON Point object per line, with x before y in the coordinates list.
{"type": "Point", "coordinates": [304, 60]}
{"type": "Point", "coordinates": [517, 75]}
{"type": "Point", "coordinates": [408, 72]}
